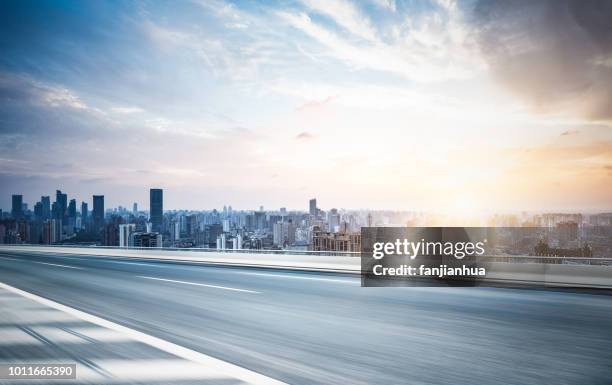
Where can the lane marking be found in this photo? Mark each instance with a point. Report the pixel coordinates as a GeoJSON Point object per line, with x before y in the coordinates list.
{"type": "Point", "coordinates": [200, 284]}
{"type": "Point", "coordinates": [58, 265]}
{"type": "Point", "coordinates": [226, 368]}
{"type": "Point", "coordinates": [43, 263]}
{"type": "Point", "coordinates": [300, 277]}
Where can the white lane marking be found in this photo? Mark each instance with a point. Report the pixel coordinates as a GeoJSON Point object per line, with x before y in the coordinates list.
{"type": "Point", "coordinates": [216, 364]}
{"type": "Point", "coordinates": [300, 277]}
{"type": "Point", "coordinates": [154, 370]}
{"type": "Point", "coordinates": [200, 284]}
{"type": "Point", "coordinates": [58, 265]}
{"type": "Point", "coordinates": [43, 263]}
{"type": "Point", "coordinates": [135, 263]}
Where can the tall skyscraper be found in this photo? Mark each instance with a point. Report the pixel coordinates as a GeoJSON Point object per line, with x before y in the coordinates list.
{"type": "Point", "coordinates": [17, 207]}
{"type": "Point", "coordinates": [62, 204]}
{"type": "Point", "coordinates": [98, 211]}
{"type": "Point", "coordinates": [72, 208]}
{"type": "Point", "coordinates": [156, 202]}
{"type": "Point", "coordinates": [135, 208]}
{"type": "Point", "coordinates": [46, 207]}
{"type": "Point", "coordinates": [84, 211]}
{"type": "Point", "coordinates": [313, 207]}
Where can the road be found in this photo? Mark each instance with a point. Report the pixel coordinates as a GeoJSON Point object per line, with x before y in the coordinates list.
{"type": "Point", "coordinates": [318, 328]}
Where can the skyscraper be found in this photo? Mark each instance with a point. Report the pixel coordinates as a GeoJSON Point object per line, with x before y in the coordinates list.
{"type": "Point", "coordinates": [313, 207]}
{"type": "Point", "coordinates": [46, 207]}
{"type": "Point", "coordinates": [62, 204]}
{"type": "Point", "coordinates": [156, 202]}
{"type": "Point", "coordinates": [84, 211]}
{"type": "Point", "coordinates": [98, 211]}
{"type": "Point", "coordinates": [72, 208]}
{"type": "Point", "coordinates": [17, 207]}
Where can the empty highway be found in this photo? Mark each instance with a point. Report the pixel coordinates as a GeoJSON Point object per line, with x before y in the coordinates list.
{"type": "Point", "coordinates": [321, 328]}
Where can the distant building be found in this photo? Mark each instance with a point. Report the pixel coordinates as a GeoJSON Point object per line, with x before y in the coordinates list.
{"type": "Point", "coordinates": [98, 211]}
{"type": "Point", "coordinates": [147, 239]}
{"type": "Point", "coordinates": [313, 207]}
{"type": "Point", "coordinates": [17, 207]}
{"type": "Point", "coordinates": [567, 232]}
{"type": "Point", "coordinates": [156, 202]}
{"type": "Point", "coordinates": [125, 234]}
{"type": "Point", "coordinates": [61, 205]}
{"type": "Point", "coordinates": [221, 242]}
{"type": "Point", "coordinates": [84, 213]}
{"type": "Point", "coordinates": [328, 241]}
{"type": "Point", "coordinates": [46, 207]}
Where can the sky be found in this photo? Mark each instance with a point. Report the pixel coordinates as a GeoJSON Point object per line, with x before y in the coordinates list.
{"type": "Point", "coordinates": [415, 105]}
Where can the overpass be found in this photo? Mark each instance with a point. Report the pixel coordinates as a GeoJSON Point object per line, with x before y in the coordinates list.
{"type": "Point", "coordinates": [176, 317]}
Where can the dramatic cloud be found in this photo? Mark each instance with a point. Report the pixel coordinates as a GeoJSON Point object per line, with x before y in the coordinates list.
{"type": "Point", "coordinates": [557, 54]}
{"type": "Point", "coordinates": [304, 136]}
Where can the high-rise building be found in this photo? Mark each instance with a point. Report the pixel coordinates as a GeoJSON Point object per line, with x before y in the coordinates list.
{"type": "Point", "coordinates": [17, 206]}
{"type": "Point", "coordinates": [61, 207]}
{"type": "Point", "coordinates": [135, 208]}
{"type": "Point", "coordinates": [125, 232]}
{"type": "Point", "coordinates": [46, 207]}
{"type": "Point", "coordinates": [38, 211]}
{"type": "Point", "coordinates": [313, 207]}
{"type": "Point", "coordinates": [156, 202]}
{"type": "Point", "coordinates": [84, 212]}
{"type": "Point", "coordinates": [72, 209]}
{"type": "Point", "coordinates": [98, 211]}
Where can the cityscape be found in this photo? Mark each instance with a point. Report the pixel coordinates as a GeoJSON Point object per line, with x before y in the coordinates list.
{"type": "Point", "coordinates": [62, 221]}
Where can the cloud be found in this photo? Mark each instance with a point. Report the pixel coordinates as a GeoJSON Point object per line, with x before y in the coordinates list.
{"type": "Point", "coordinates": [385, 4]}
{"type": "Point", "coordinates": [555, 54]}
{"type": "Point", "coordinates": [570, 132]}
{"type": "Point", "coordinates": [346, 15]}
{"type": "Point", "coordinates": [305, 136]}
{"type": "Point", "coordinates": [423, 49]}
{"type": "Point", "coordinates": [127, 110]}
{"type": "Point", "coordinates": [314, 104]}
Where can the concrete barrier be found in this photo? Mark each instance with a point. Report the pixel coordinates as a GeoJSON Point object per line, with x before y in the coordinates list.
{"type": "Point", "coordinates": [516, 273]}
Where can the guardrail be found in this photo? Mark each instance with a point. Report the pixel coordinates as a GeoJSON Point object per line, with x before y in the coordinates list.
{"type": "Point", "coordinates": [509, 258]}
{"type": "Point", "coordinates": [204, 249]}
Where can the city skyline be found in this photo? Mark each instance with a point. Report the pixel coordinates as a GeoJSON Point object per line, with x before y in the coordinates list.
{"type": "Point", "coordinates": [443, 106]}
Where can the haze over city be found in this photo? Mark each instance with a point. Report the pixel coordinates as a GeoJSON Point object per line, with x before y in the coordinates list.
{"type": "Point", "coordinates": [374, 104]}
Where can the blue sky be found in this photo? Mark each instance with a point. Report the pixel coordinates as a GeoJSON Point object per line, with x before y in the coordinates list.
{"type": "Point", "coordinates": [376, 103]}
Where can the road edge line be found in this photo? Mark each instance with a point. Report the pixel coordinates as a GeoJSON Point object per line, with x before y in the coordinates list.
{"type": "Point", "coordinates": [221, 366]}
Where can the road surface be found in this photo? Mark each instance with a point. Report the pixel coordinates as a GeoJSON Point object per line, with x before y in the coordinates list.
{"type": "Point", "coordinates": [317, 328]}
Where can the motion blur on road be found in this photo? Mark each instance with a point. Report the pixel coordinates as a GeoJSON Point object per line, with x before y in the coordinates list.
{"type": "Point", "coordinates": [303, 327]}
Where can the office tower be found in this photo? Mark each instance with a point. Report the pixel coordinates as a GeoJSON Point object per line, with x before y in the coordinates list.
{"type": "Point", "coordinates": [98, 211]}
{"type": "Point", "coordinates": [61, 201]}
{"type": "Point", "coordinates": [135, 208]}
{"type": "Point", "coordinates": [313, 207]}
{"type": "Point", "coordinates": [333, 219]}
{"type": "Point", "coordinates": [72, 208]}
{"type": "Point", "coordinates": [46, 207]}
{"type": "Point", "coordinates": [38, 211]}
{"type": "Point", "coordinates": [156, 203]}
{"type": "Point", "coordinates": [84, 212]}
{"type": "Point", "coordinates": [125, 232]}
{"type": "Point", "coordinates": [17, 207]}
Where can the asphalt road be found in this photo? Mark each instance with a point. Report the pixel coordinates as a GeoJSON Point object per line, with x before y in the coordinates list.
{"type": "Point", "coordinates": [316, 328]}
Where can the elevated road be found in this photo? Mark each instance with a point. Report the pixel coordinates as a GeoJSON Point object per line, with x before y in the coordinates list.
{"type": "Point", "coordinates": [302, 327]}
